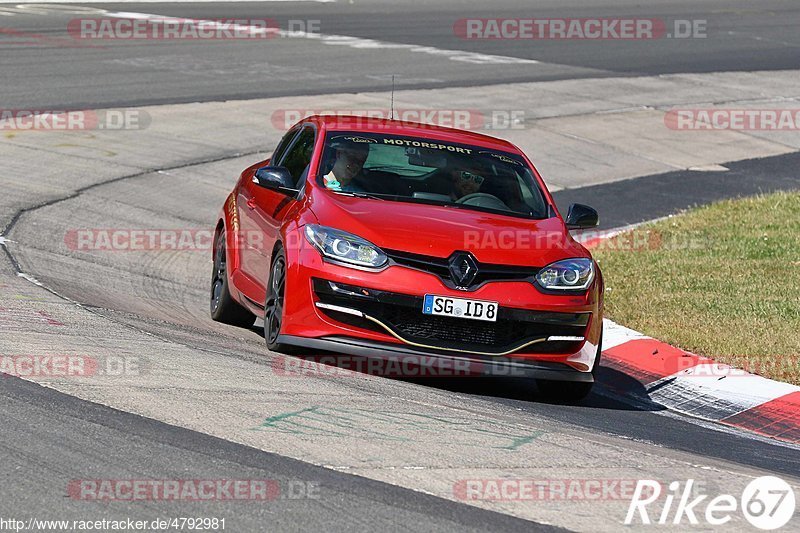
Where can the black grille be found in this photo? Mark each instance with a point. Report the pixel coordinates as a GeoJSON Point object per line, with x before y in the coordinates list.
{"type": "Point", "coordinates": [440, 328]}
{"type": "Point", "coordinates": [478, 335]}
{"type": "Point", "coordinates": [403, 315]}
{"type": "Point", "coordinates": [440, 267]}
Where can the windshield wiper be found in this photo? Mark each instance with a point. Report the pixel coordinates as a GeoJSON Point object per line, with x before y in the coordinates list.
{"type": "Point", "coordinates": [360, 195]}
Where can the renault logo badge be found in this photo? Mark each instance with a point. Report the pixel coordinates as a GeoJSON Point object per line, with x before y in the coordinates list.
{"type": "Point", "coordinates": [463, 269]}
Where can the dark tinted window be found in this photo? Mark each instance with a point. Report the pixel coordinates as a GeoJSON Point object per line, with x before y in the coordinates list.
{"type": "Point", "coordinates": [298, 157]}
{"type": "Point", "coordinates": [282, 146]}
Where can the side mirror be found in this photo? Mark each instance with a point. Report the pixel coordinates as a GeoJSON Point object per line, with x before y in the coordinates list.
{"type": "Point", "coordinates": [276, 179]}
{"type": "Point", "coordinates": [581, 216]}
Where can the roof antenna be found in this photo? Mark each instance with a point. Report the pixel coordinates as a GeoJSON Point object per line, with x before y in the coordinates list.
{"type": "Point", "coordinates": [392, 105]}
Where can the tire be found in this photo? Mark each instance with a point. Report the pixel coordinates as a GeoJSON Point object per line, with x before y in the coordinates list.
{"type": "Point", "coordinates": [223, 307]}
{"type": "Point", "coordinates": [570, 391]}
{"type": "Point", "coordinates": [274, 305]}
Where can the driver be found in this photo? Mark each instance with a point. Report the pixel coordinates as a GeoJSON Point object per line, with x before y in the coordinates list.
{"type": "Point", "coordinates": [350, 158]}
{"type": "Point", "coordinates": [466, 178]}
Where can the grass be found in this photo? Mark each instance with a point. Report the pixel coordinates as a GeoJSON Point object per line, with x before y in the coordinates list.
{"type": "Point", "coordinates": [721, 281]}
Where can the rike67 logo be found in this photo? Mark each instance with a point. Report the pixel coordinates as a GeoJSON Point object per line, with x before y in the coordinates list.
{"type": "Point", "coordinates": [767, 503]}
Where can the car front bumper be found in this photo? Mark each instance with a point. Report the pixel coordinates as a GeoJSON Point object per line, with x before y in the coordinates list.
{"type": "Point", "coordinates": [432, 363]}
{"type": "Point", "coordinates": [330, 307]}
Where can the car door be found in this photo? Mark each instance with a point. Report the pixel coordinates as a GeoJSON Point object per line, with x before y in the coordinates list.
{"type": "Point", "coordinates": [252, 238]}
{"type": "Point", "coordinates": [268, 207]}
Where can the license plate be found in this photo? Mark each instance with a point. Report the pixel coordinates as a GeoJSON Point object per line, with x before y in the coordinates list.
{"type": "Point", "coordinates": [459, 308]}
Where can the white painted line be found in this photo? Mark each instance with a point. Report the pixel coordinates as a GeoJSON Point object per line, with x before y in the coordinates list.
{"type": "Point", "coordinates": [589, 235]}
{"type": "Point", "coordinates": [709, 168]}
{"type": "Point", "coordinates": [45, 2]}
{"type": "Point", "coordinates": [30, 278]}
{"type": "Point", "coordinates": [583, 236]}
{"type": "Point", "coordinates": [344, 40]}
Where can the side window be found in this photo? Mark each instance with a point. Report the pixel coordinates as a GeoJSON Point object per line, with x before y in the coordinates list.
{"type": "Point", "coordinates": [282, 146]}
{"type": "Point", "coordinates": [298, 158]}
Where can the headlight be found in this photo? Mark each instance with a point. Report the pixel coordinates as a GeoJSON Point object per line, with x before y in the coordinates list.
{"type": "Point", "coordinates": [568, 274]}
{"type": "Point", "coordinates": [346, 247]}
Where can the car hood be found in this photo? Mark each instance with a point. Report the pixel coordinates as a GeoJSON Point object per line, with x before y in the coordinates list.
{"type": "Point", "coordinates": [439, 230]}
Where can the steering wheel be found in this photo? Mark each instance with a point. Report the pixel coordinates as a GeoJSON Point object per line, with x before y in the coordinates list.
{"type": "Point", "coordinates": [483, 199]}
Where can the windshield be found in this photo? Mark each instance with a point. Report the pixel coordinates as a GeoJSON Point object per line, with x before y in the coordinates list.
{"type": "Point", "coordinates": [423, 170]}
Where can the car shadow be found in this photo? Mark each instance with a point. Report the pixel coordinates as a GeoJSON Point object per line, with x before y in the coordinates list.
{"type": "Point", "coordinates": [614, 388]}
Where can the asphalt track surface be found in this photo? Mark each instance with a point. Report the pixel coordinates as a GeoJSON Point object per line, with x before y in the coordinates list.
{"type": "Point", "coordinates": [49, 438]}
{"type": "Point", "coordinates": [637, 200]}
{"type": "Point", "coordinates": [43, 67]}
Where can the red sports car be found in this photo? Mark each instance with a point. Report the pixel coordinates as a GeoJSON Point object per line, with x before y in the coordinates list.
{"type": "Point", "coordinates": [383, 239]}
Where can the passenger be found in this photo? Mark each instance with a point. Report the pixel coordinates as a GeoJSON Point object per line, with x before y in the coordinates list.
{"type": "Point", "coordinates": [466, 179]}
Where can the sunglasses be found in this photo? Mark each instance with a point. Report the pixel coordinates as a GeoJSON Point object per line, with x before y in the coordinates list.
{"type": "Point", "coordinates": [466, 176]}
